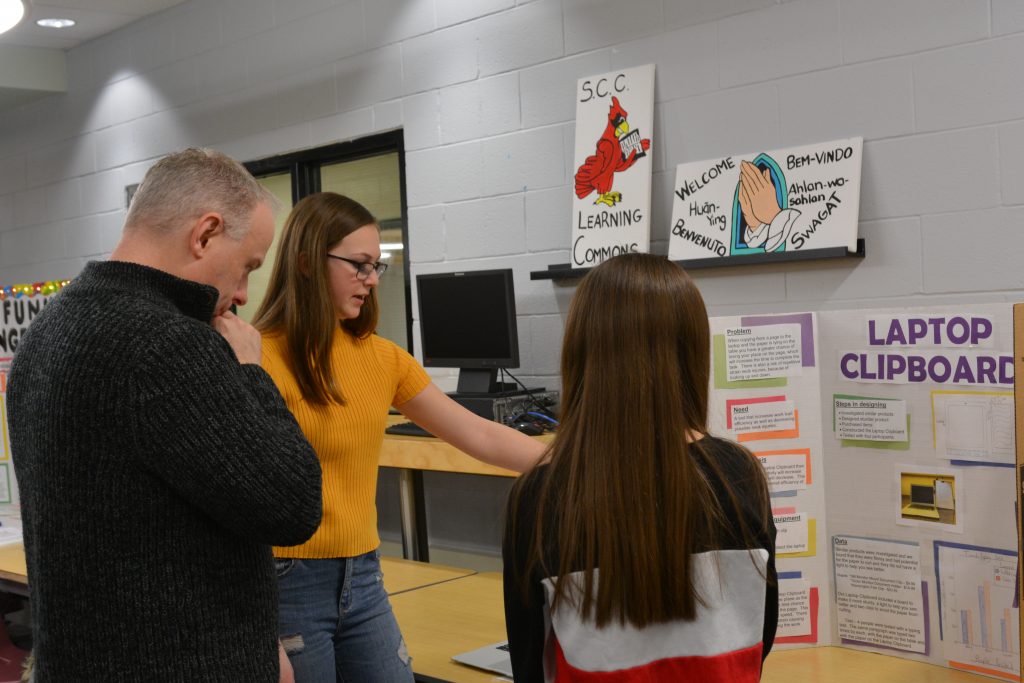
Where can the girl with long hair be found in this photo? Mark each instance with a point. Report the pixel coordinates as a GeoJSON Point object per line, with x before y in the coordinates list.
{"type": "Point", "coordinates": [339, 379]}
{"type": "Point", "coordinates": [642, 547]}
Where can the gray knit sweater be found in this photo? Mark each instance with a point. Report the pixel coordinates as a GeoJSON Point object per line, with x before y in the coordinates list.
{"type": "Point", "coordinates": [155, 473]}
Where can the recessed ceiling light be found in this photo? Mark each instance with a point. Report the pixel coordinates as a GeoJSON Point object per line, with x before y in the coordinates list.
{"type": "Point", "coordinates": [55, 23]}
{"type": "Point", "coordinates": [11, 12]}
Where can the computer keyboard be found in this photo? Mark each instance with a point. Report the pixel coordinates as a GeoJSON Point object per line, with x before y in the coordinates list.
{"type": "Point", "coordinates": [407, 429]}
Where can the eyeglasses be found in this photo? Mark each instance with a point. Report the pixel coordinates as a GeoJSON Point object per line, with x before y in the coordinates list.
{"type": "Point", "coordinates": [363, 268]}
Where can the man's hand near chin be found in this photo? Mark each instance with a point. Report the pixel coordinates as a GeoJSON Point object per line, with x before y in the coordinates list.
{"type": "Point", "coordinates": [244, 339]}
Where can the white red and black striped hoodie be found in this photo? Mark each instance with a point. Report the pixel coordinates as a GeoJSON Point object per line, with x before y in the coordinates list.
{"type": "Point", "coordinates": [728, 640]}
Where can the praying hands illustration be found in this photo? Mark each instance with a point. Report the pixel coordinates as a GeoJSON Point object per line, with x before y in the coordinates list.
{"type": "Point", "coordinates": [767, 224]}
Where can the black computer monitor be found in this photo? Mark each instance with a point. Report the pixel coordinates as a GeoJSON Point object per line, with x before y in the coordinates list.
{"type": "Point", "coordinates": [468, 321]}
{"type": "Point", "coordinates": [923, 495]}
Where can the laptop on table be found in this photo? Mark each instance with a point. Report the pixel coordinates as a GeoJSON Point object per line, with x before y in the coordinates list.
{"type": "Point", "coordinates": [493, 657]}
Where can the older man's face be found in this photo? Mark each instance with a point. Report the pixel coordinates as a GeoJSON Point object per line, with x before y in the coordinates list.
{"type": "Point", "coordinates": [234, 259]}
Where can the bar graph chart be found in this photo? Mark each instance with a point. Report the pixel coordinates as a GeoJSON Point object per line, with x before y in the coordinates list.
{"type": "Point", "coordinates": [980, 630]}
{"type": "Point", "coordinates": [977, 628]}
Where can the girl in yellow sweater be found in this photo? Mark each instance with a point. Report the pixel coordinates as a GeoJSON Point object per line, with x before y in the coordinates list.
{"type": "Point", "coordinates": [339, 379]}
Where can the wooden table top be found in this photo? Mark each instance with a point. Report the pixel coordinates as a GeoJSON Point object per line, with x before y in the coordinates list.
{"type": "Point", "coordinates": [406, 575]}
{"type": "Point", "coordinates": [399, 575]}
{"type": "Point", "coordinates": [449, 618]}
{"type": "Point", "coordinates": [447, 610]}
{"type": "Point", "coordinates": [466, 613]}
{"type": "Point", "coordinates": [12, 563]}
{"type": "Point", "coordinates": [844, 665]}
{"type": "Point", "coordinates": [429, 453]}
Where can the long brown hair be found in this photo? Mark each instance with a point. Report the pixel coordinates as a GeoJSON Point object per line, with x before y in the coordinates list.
{"type": "Point", "coordinates": [298, 301]}
{"type": "Point", "coordinates": [621, 490]}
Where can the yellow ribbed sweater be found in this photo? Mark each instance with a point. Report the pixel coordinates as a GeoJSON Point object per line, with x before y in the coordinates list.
{"type": "Point", "coordinates": [374, 374]}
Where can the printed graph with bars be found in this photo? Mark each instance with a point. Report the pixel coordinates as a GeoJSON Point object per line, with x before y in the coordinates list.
{"type": "Point", "coordinates": [980, 629]}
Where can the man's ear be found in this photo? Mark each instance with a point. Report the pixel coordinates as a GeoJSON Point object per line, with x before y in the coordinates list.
{"type": "Point", "coordinates": [205, 228]}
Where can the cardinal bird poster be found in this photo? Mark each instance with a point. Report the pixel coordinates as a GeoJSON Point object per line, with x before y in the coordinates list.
{"type": "Point", "coordinates": [770, 201]}
{"type": "Point", "coordinates": [612, 171]}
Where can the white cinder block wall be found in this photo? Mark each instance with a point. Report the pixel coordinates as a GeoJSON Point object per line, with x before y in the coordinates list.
{"type": "Point", "coordinates": [483, 90]}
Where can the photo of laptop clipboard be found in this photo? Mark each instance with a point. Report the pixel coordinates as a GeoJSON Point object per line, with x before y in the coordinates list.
{"type": "Point", "coordinates": [493, 657]}
{"type": "Point", "coordinates": [922, 502]}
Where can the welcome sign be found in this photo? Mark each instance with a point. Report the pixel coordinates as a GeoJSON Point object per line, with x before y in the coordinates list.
{"type": "Point", "coordinates": [770, 201]}
{"type": "Point", "coordinates": [612, 179]}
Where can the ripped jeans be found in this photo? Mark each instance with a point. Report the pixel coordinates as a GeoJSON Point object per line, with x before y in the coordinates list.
{"type": "Point", "coordinates": [336, 623]}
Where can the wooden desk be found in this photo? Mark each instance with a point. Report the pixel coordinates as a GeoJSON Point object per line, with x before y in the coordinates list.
{"type": "Point", "coordinates": [411, 455]}
{"type": "Point", "coordinates": [13, 572]}
{"type": "Point", "coordinates": [406, 575]}
{"type": "Point", "coordinates": [448, 618]}
{"type": "Point", "coordinates": [399, 575]}
{"type": "Point", "coordinates": [466, 613]}
{"type": "Point", "coordinates": [428, 453]}
{"type": "Point", "coordinates": [843, 665]}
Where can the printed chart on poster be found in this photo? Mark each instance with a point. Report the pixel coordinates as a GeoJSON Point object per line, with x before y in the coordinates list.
{"type": "Point", "coordinates": [980, 630]}
{"type": "Point", "coordinates": [769, 201]}
{"type": "Point", "coordinates": [611, 207]}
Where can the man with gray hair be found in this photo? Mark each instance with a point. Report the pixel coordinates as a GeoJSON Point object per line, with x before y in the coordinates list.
{"type": "Point", "coordinates": [157, 461]}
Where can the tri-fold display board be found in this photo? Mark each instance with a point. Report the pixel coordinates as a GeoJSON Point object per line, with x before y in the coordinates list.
{"type": "Point", "coordinates": [19, 305]}
{"type": "Point", "coordinates": [888, 441]}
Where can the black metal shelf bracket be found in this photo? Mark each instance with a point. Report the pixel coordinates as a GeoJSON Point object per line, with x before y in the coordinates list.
{"type": "Point", "coordinates": [564, 271]}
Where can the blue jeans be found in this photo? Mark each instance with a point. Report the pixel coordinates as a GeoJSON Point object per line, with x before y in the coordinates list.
{"type": "Point", "coordinates": [336, 623]}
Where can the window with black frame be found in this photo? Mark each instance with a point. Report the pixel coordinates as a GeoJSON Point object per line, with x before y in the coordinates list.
{"type": "Point", "coordinates": [370, 170]}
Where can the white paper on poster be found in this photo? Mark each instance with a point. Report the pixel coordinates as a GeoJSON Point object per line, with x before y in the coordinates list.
{"type": "Point", "coordinates": [974, 426]}
{"type": "Point", "coordinates": [612, 165]}
{"type": "Point", "coordinates": [768, 202]}
{"type": "Point", "coordinates": [10, 535]}
{"type": "Point", "coordinates": [766, 416]}
{"type": "Point", "coordinates": [871, 419]}
{"type": "Point", "coordinates": [791, 532]}
{"type": "Point", "coordinates": [763, 351]}
{"type": "Point", "coordinates": [786, 471]}
{"type": "Point", "coordinates": [794, 608]}
{"type": "Point", "coordinates": [5, 484]}
{"type": "Point", "coordinates": [878, 592]}
{"type": "Point", "coordinates": [5, 441]}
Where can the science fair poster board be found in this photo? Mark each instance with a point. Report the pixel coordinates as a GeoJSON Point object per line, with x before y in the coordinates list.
{"type": "Point", "coordinates": [890, 454]}
{"type": "Point", "coordinates": [919, 456]}
{"type": "Point", "coordinates": [771, 201]}
{"type": "Point", "coordinates": [19, 305]}
{"type": "Point", "coordinates": [611, 206]}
